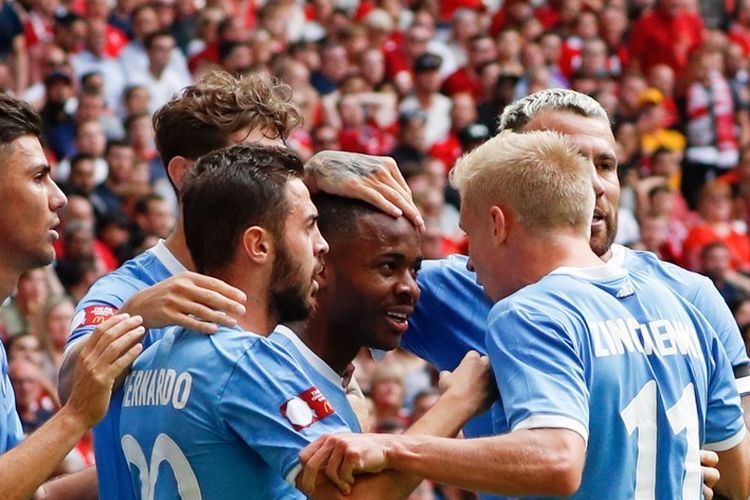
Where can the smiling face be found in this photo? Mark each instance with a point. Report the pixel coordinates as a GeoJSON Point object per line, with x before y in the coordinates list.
{"type": "Point", "coordinates": [371, 280]}
{"type": "Point", "coordinates": [32, 202]}
{"type": "Point", "coordinates": [593, 137]}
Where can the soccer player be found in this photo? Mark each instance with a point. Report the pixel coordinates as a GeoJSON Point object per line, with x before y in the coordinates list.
{"type": "Point", "coordinates": [159, 284]}
{"type": "Point", "coordinates": [450, 317]}
{"type": "Point", "coordinates": [27, 223]}
{"type": "Point", "coordinates": [230, 412]}
{"type": "Point", "coordinates": [605, 383]}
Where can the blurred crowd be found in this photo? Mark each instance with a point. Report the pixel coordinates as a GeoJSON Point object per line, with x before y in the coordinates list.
{"type": "Point", "coordinates": [420, 81]}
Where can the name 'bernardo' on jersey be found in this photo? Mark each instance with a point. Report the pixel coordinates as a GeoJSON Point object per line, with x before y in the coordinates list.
{"type": "Point", "coordinates": [160, 387]}
{"type": "Point", "coordinates": [661, 337]}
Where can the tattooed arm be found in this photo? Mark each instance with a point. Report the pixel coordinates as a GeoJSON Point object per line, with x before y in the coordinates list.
{"type": "Point", "coordinates": [374, 179]}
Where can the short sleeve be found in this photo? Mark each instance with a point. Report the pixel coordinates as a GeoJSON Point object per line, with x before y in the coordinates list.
{"type": "Point", "coordinates": [538, 370]}
{"type": "Point", "coordinates": [102, 301]}
{"type": "Point", "coordinates": [274, 407]}
{"type": "Point", "coordinates": [711, 304]}
{"type": "Point", "coordinates": [725, 426]}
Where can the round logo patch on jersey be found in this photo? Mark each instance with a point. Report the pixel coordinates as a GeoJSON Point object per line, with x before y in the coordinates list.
{"type": "Point", "coordinates": [299, 413]}
{"type": "Point", "coordinates": [306, 408]}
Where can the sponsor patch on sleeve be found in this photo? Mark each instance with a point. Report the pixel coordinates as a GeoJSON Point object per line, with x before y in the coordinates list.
{"type": "Point", "coordinates": [306, 408]}
{"type": "Point", "coordinates": [93, 316]}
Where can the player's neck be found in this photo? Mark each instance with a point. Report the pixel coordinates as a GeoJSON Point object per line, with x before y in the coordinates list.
{"type": "Point", "coordinates": [329, 343]}
{"type": "Point", "coordinates": [176, 244]}
{"type": "Point", "coordinates": [259, 316]}
{"type": "Point", "coordinates": [536, 260]}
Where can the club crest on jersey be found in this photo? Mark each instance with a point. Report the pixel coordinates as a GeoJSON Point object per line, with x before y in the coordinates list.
{"type": "Point", "coordinates": [93, 316]}
{"type": "Point", "coordinates": [306, 408]}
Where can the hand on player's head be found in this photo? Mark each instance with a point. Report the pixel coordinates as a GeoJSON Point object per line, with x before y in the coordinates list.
{"type": "Point", "coordinates": [374, 179]}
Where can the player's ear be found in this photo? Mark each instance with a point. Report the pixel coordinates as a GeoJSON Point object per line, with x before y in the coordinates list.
{"type": "Point", "coordinates": [499, 223]}
{"type": "Point", "coordinates": [257, 244]}
{"type": "Point", "coordinates": [176, 169]}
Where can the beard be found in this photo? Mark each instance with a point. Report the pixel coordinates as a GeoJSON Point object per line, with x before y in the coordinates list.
{"type": "Point", "coordinates": [601, 243]}
{"type": "Point", "coordinates": [289, 294]}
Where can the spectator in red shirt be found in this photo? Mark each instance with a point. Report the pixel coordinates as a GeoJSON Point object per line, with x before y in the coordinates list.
{"type": "Point", "coordinates": [739, 31]}
{"type": "Point", "coordinates": [666, 34]}
{"type": "Point", "coordinates": [482, 50]}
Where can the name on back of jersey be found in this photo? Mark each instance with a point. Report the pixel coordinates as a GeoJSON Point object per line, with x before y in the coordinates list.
{"type": "Point", "coordinates": [158, 387]}
{"type": "Point", "coordinates": [660, 337]}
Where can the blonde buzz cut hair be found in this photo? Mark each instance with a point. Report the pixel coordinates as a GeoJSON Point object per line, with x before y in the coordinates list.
{"type": "Point", "coordinates": [539, 175]}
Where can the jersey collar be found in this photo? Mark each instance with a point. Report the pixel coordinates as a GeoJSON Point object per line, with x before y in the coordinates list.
{"type": "Point", "coordinates": [312, 358]}
{"type": "Point", "coordinates": [167, 258]}
{"type": "Point", "coordinates": [603, 272]}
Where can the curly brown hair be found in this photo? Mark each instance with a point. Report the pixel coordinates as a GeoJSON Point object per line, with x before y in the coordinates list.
{"type": "Point", "coordinates": [199, 119]}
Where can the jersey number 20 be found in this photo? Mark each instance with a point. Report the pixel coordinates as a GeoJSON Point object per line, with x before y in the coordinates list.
{"type": "Point", "coordinates": [640, 414]}
{"type": "Point", "coordinates": [165, 450]}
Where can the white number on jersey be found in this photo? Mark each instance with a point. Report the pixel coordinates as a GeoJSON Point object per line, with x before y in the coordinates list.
{"type": "Point", "coordinates": [640, 414]}
{"type": "Point", "coordinates": [165, 450]}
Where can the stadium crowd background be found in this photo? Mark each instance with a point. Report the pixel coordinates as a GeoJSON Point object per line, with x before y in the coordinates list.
{"type": "Point", "coordinates": [422, 82]}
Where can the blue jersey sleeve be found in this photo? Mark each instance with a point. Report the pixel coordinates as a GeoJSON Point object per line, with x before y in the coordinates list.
{"type": "Point", "coordinates": [538, 370]}
{"type": "Point", "coordinates": [11, 432]}
{"type": "Point", "coordinates": [273, 406]}
{"type": "Point", "coordinates": [725, 426]}
{"type": "Point", "coordinates": [103, 300]}
{"type": "Point", "coordinates": [709, 302]}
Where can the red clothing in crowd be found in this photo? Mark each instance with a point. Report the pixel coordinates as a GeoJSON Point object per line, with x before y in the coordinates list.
{"type": "Point", "coordinates": [660, 38]}
{"type": "Point", "coordinates": [703, 234]}
{"type": "Point", "coordinates": [741, 36]}
{"type": "Point", "coordinates": [461, 81]}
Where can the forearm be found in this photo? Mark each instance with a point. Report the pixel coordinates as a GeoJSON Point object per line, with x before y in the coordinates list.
{"type": "Point", "coordinates": [537, 462]}
{"type": "Point", "coordinates": [734, 467]}
{"type": "Point", "coordinates": [24, 468]}
{"type": "Point", "coordinates": [387, 484]}
{"type": "Point", "coordinates": [80, 485]}
{"type": "Point", "coordinates": [444, 419]}
{"type": "Point", "coordinates": [67, 369]}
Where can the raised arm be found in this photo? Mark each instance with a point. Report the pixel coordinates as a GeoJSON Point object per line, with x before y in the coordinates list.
{"type": "Point", "coordinates": [111, 348]}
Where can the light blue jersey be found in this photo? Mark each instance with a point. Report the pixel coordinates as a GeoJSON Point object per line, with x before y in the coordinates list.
{"type": "Point", "coordinates": [328, 381]}
{"type": "Point", "coordinates": [617, 358]}
{"type": "Point", "coordinates": [11, 432]}
{"type": "Point", "coordinates": [451, 314]}
{"type": "Point", "coordinates": [701, 292]}
{"type": "Point", "coordinates": [102, 301]}
{"type": "Point", "coordinates": [223, 416]}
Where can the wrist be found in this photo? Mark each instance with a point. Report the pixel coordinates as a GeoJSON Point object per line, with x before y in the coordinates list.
{"type": "Point", "coordinates": [74, 421]}
{"type": "Point", "coordinates": [459, 404]}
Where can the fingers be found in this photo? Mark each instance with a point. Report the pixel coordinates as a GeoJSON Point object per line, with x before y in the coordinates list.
{"type": "Point", "coordinates": [315, 460]}
{"type": "Point", "coordinates": [708, 493]}
{"type": "Point", "coordinates": [390, 186]}
{"type": "Point", "coordinates": [444, 380]}
{"type": "Point", "coordinates": [111, 329]}
{"type": "Point", "coordinates": [232, 298]}
{"type": "Point", "coordinates": [709, 458]}
{"type": "Point", "coordinates": [125, 361]}
{"type": "Point", "coordinates": [332, 470]}
{"type": "Point", "coordinates": [711, 476]}
{"type": "Point", "coordinates": [392, 167]}
{"type": "Point", "coordinates": [192, 311]}
{"type": "Point", "coordinates": [120, 342]}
